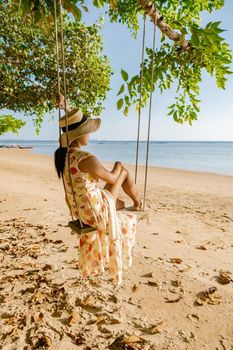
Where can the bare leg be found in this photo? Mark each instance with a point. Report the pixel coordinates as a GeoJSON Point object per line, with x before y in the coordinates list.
{"type": "Point", "coordinates": [126, 182]}
{"type": "Point", "coordinates": [115, 189]}
{"type": "Point", "coordinates": [119, 203]}
{"type": "Point", "coordinates": [129, 188]}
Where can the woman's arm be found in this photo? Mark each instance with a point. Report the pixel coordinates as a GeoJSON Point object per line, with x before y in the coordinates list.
{"type": "Point", "coordinates": [93, 166]}
{"type": "Point", "coordinates": [60, 102]}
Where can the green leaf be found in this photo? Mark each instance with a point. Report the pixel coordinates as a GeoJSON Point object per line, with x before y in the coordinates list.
{"type": "Point", "coordinates": [86, 9]}
{"type": "Point", "coordinates": [122, 88]}
{"type": "Point", "coordinates": [98, 3]}
{"type": "Point", "coordinates": [120, 103]}
{"type": "Point", "coordinates": [124, 75]}
{"type": "Point", "coordinates": [10, 124]}
{"type": "Point", "coordinates": [126, 111]}
{"type": "Point", "coordinates": [196, 107]}
{"type": "Point", "coordinates": [77, 13]}
{"type": "Point", "coordinates": [171, 112]}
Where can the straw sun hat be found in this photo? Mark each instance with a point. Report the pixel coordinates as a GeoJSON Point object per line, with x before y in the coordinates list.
{"type": "Point", "coordinates": [78, 125]}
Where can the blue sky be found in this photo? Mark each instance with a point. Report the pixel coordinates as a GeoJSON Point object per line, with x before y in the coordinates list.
{"type": "Point", "coordinates": [215, 121]}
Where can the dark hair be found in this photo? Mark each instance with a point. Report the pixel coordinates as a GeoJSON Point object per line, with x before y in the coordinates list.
{"type": "Point", "coordinates": [60, 153]}
{"type": "Point", "coordinates": [59, 160]}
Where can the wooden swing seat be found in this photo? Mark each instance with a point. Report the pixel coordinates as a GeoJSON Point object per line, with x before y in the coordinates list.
{"type": "Point", "coordinates": [76, 226]}
{"type": "Point", "coordinates": [138, 213]}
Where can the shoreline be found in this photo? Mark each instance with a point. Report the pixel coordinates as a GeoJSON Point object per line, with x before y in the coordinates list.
{"type": "Point", "coordinates": [131, 165]}
{"type": "Point", "coordinates": [183, 180]}
{"type": "Point", "coordinates": [211, 159]}
{"type": "Point", "coordinates": [184, 241]}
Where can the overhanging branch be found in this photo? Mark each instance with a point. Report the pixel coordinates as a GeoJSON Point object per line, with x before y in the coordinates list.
{"type": "Point", "coordinates": [150, 10]}
{"type": "Point", "coordinates": [3, 107]}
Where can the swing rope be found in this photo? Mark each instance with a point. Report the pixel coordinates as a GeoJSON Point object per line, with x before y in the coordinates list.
{"type": "Point", "coordinates": [57, 60]}
{"type": "Point", "coordinates": [58, 81]}
{"type": "Point", "coordinates": [149, 119]}
{"type": "Point", "coordinates": [65, 97]}
{"type": "Point", "coordinates": [65, 101]}
{"type": "Point", "coordinates": [140, 100]}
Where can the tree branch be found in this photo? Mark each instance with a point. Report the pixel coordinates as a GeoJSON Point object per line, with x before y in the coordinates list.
{"type": "Point", "coordinates": [151, 11]}
{"type": "Point", "coordinates": [4, 106]}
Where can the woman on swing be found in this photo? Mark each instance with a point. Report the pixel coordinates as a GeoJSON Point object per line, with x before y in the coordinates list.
{"type": "Point", "coordinates": [93, 205]}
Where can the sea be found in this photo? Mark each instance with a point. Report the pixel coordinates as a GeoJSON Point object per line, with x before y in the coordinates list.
{"type": "Point", "coordinates": [204, 156]}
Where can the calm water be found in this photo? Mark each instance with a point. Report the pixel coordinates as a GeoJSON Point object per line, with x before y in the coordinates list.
{"type": "Point", "coordinates": [216, 157]}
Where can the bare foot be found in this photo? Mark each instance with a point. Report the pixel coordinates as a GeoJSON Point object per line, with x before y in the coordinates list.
{"type": "Point", "coordinates": [137, 205]}
{"type": "Point", "coordinates": [120, 204]}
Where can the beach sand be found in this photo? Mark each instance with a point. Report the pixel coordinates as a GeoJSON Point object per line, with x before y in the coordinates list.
{"type": "Point", "coordinates": [178, 294]}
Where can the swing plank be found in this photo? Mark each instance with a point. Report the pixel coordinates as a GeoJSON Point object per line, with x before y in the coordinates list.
{"type": "Point", "coordinates": [140, 214]}
{"type": "Point", "coordinates": [75, 226]}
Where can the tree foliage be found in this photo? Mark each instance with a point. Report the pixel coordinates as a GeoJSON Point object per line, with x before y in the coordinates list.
{"type": "Point", "coordinates": [186, 48]}
{"type": "Point", "coordinates": [9, 123]}
{"type": "Point", "coordinates": [28, 76]}
{"type": "Point", "coordinates": [181, 62]}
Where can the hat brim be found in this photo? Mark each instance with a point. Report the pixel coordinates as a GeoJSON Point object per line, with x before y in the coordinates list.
{"type": "Point", "coordinates": [89, 126]}
{"type": "Point", "coordinates": [72, 117]}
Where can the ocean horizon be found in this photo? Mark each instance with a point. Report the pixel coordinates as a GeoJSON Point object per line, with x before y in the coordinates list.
{"type": "Point", "coordinates": [200, 156]}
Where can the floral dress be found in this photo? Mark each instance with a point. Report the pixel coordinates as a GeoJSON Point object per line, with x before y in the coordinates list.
{"type": "Point", "coordinates": [110, 245]}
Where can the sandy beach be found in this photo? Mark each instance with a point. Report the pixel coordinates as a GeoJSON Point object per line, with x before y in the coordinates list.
{"type": "Point", "coordinates": [177, 295]}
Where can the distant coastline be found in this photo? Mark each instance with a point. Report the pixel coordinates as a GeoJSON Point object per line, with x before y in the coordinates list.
{"type": "Point", "coordinates": [200, 156]}
{"type": "Point", "coordinates": [15, 141]}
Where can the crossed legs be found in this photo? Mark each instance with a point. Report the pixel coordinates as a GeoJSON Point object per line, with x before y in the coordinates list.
{"type": "Point", "coordinates": [126, 182]}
